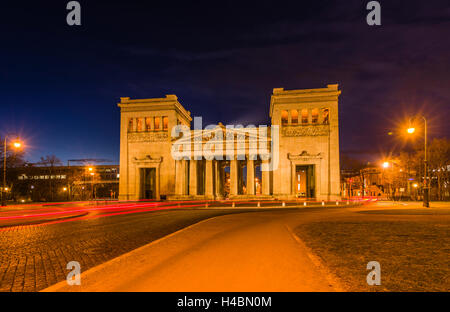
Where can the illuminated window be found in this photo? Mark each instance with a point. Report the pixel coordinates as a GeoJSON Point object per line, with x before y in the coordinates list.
{"type": "Point", "coordinates": [304, 116]}
{"type": "Point", "coordinates": [157, 122]}
{"type": "Point", "coordinates": [294, 116]}
{"type": "Point", "coordinates": [148, 124]}
{"type": "Point", "coordinates": [325, 116]}
{"type": "Point", "coordinates": [315, 115]}
{"type": "Point", "coordinates": [139, 124]}
{"type": "Point", "coordinates": [165, 123]}
{"type": "Point", "coordinates": [284, 117]}
{"type": "Point", "coordinates": [130, 125]}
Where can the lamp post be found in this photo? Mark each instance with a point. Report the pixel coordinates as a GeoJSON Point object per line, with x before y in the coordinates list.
{"type": "Point", "coordinates": [16, 145]}
{"type": "Point", "coordinates": [386, 180]}
{"type": "Point", "coordinates": [92, 181]}
{"type": "Point", "coordinates": [411, 130]}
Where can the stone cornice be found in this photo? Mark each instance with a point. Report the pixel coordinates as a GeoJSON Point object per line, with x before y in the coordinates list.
{"type": "Point", "coordinates": [281, 96]}
{"type": "Point", "coordinates": [146, 159]}
{"type": "Point", "coordinates": [304, 156]}
{"type": "Point", "coordinates": [170, 102]}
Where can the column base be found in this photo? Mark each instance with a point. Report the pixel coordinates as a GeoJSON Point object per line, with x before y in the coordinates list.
{"type": "Point", "coordinates": [190, 197]}
{"type": "Point", "coordinates": [252, 197]}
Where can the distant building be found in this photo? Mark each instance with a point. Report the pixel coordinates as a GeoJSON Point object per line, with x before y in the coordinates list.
{"type": "Point", "coordinates": [367, 182]}
{"type": "Point", "coordinates": [306, 151]}
{"type": "Point", "coordinates": [59, 183]}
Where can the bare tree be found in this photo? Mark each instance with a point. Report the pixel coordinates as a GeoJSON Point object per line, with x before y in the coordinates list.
{"type": "Point", "coordinates": [50, 161]}
{"type": "Point", "coordinates": [439, 159]}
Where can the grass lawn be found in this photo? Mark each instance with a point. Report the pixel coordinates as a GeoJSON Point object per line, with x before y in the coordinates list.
{"type": "Point", "coordinates": [413, 254]}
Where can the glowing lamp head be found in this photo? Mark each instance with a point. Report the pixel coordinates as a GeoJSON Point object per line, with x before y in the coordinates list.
{"type": "Point", "coordinates": [64, 189]}
{"type": "Point", "coordinates": [386, 164]}
{"type": "Point", "coordinates": [415, 185]}
{"type": "Point", "coordinates": [411, 130]}
{"type": "Point", "coordinates": [17, 144]}
{"type": "Point", "coordinates": [90, 169]}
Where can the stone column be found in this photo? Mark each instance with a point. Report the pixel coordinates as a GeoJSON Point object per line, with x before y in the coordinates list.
{"type": "Point", "coordinates": [134, 124]}
{"type": "Point", "coordinates": [152, 123]}
{"type": "Point", "coordinates": [218, 168]}
{"type": "Point", "coordinates": [185, 182]}
{"type": "Point", "coordinates": [209, 191]}
{"type": "Point", "coordinates": [250, 177]}
{"type": "Point", "coordinates": [265, 183]}
{"type": "Point", "coordinates": [234, 177]}
{"type": "Point", "coordinates": [157, 182]}
{"type": "Point", "coordinates": [179, 177]}
{"type": "Point", "coordinates": [192, 177]}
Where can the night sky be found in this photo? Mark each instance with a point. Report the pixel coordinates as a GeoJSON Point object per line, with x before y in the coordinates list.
{"type": "Point", "coordinates": [59, 85]}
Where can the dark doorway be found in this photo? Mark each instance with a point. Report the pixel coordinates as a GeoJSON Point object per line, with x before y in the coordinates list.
{"type": "Point", "coordinates": [305, 181]}
{"type": "Point", "coordinates": [201, 166]}
{"type": "Point", "coordinates": [225, 176]}
{"type": "Point", "coordinates": [149, 183]}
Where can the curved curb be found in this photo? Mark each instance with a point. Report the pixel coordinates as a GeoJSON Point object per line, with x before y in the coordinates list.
{"type": "Point", "coordinates": [330, 277]}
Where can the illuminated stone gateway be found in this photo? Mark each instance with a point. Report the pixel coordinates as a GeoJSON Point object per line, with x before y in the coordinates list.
{"type": "Point", "coordinates": [301, 151]}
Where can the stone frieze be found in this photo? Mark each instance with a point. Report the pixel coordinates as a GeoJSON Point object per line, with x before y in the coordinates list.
{"type": "Point", "coordinates": [136, 137]}
{"type": "Point", "coordinates": [296, 131]}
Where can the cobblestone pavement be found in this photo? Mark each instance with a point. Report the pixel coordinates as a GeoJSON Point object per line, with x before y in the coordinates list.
{"type": "Point", "coordinates": [35, 257]}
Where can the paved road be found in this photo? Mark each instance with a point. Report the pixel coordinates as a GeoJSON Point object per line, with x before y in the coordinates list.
{"type": "Point", "coordinates": [36, 242]}
{"type": "Point", "coordinates": [240, 252]}
{"type": "Point", "coordinates": [33, 257]}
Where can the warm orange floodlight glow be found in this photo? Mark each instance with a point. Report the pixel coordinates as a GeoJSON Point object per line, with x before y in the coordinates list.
{"type": "Point", "coordinates": [411, 130]}
{"type": "Point", "coordinates": [17, 144]}
{"type": "Point", "coordinates": [64, 189]}
{"type": "Point", "coordinates": [386, 164]}
{"type": "Point", "coordinates": [415, 185]}
{"type": "Point", "coordinates": [90, 169]}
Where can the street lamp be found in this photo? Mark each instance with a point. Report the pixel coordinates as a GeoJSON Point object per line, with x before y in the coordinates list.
{"type": "Point", "coordinates": [386, 165]}
{"type": "Point", "coordinates": [411, 130]}
{"type": "Point", "coordinates": [16, 144]}
{"type": "Point", "coordinates": [92, 184]}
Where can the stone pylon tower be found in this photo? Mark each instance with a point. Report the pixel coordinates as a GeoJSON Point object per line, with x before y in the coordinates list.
{"type": "Point", "coordinates": [309, 143]}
